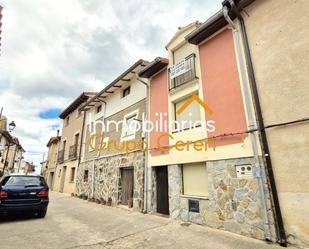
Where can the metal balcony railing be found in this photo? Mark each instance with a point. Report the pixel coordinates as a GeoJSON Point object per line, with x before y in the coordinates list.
{"type": "Point", "coordinates": [73, 152]}
{"type": "Point", "coordinates": [189, 73]}
{"type": "Point", "coordinates": [60, 156]}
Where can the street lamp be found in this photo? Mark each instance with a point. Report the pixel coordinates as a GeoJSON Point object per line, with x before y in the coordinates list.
{"type": "Point", "coordinates": [12, 126]}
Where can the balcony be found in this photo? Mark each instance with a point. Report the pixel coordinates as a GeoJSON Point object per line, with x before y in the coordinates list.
{"type": "Point", "coordinates": [73, 152]}
{"type": "Point", "coordinates": [182, 72]}
{"type": "Point", "coordinates": [60, 156]}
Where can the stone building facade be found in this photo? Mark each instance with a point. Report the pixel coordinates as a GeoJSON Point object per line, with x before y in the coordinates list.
{"type": "Point", "coordinates": [233, 204]}
{"type": "Point", "coordinates": [106, 181]}
{"type": "Point", "coordinates": [114, 173]}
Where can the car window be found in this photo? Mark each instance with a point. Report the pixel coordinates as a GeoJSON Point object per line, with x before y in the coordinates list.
{"type": "Point", "coordinates": [23, 181]}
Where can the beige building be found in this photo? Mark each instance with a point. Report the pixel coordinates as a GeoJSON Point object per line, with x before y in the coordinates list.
{"type": "Point", "coordinates": [49, 166]}
{"type": "Point", "coordinates": [280, 55]}
{"type": "Point", "coordinates": [69, 148]}
{"type": "Point", "coordinates": [10, 150]}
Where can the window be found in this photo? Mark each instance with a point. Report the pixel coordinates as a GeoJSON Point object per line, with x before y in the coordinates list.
{"type": "Point", "coordinates": [86, 175]}
{"type": "Point", "coordinates": [23, 181]}
{"type": "Point", "coordinates": [99, 108]}
{"type": "Point", "coordinates": [195, 179]}
{"type": "Point", "coordinates": [59, 174]}
{"type": "Point", "coordinates": [189, 117]}
{"type": "Point", "coordinates": [72, 176]}
{"type": "Point", "coordinates": [67, 120]}
{"type": "Point", "coordinates": [130, 126]}
{"type": "Point", "coordinates": [64, 145]}
{"type": "Point", "coordinates": [76, 139]}
{"type": "Point", "coordinates": [126, 91]}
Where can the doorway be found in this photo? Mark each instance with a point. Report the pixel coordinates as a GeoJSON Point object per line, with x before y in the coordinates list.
{"type": "Point", "coordinates": [162, 190]}
{"type": "Point", "coordinates": [51, 181]}
{"type": "Point", "coordinates": [63, 178]}
{"type": "Point", "coordinates": [127, 184]}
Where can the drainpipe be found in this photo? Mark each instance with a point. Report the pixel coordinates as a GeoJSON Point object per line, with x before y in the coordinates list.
{"type": "Point", "coordinates": [251, 125]}
{"type": "Point", "coordinates": [81, 140]}
{"type": "Point", "coordinates": [146, 153]}
{"type": "Point", "coordinates": [92, 185]}
{"type": "Point", "coordinates": [80, 147]}
{"type": "Point", "coordinates": [261, 128]}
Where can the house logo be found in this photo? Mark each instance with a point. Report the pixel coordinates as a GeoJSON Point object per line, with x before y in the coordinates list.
{"type": "Point", "coordinates": [199, 101]}
{"type": "Point", "coordinates": [161, 125]}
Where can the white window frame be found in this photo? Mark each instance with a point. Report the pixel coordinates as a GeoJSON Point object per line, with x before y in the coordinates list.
{"type": "Point", "coordinates": [125, 137]}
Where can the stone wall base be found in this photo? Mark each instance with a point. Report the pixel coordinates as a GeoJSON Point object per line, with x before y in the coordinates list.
{"type": "Point", "coordinates": [233, 204]}
{"type": "Point", "coordinates": [105, 173]}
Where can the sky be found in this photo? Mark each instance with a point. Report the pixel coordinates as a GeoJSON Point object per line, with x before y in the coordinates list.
{"type": "Point", "coordinates": [53, 50]}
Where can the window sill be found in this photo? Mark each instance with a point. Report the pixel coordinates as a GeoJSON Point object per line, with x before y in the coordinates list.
{"type": "Point", "coordinates": [129, 137]}
{"type": "Point", "coordinates": [187, 129]}
{"type": "Point", "coordinates": [195, 197]}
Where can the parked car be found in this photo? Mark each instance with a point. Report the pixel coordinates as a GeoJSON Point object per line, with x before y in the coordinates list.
{"type": "Point", "coordinates": [24, 192]}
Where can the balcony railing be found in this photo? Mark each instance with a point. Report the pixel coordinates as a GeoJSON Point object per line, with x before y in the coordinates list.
{"type": "Point", "coordinates": [73, 152]}
{"type": "Point", "coordinates": [60, 156]}
{"type": "Point", "coordinates": [187, 72]}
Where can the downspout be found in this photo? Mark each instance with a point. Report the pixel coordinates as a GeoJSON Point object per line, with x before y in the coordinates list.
{"type": "Point", "coordinates": [92, 185]}
{"type": "Point", "coordinates": [13, 164]}
{"type": "Point", "coordinates": [261, 127]}
{"type": "Point", "coordinates": [146, 153]}
{"type": "Point", "coordinates": [81, 140]}
{"type": "Point", "coordinates": [251, 125]}
{"type": "Point", "coordinates": [80, 147]}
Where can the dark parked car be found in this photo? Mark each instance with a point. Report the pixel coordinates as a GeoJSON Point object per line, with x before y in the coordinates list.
{"type": "Point", "coordinates": [24, 192]}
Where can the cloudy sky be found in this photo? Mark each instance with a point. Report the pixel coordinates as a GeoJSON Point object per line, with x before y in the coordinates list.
{"type": "Point", "coordinates": [53, 50]}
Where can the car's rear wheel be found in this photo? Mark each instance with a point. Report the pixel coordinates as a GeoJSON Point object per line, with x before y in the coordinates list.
{"type": "Point", "coordinates": [42, 213]}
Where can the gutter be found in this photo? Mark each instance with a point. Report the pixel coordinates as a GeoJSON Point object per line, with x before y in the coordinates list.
{"type": "Point", "coordinates": [230, 4]}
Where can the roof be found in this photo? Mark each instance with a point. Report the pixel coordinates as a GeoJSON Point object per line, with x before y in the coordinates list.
{"type": "Point", "coordinates": [182, 30]}
{"type": "Point", "coordinates": [76, 103]}
{"type": "Point", "coordinates": [153, 67]}
{"type": "Point", "coordinates": [8, 136]}
{"type": "Point", "coordinates": [214, 23]}
{"type": "Point", "coordinates": [111, 85]}
{"type": "Point", "coordinates": [53, 140]}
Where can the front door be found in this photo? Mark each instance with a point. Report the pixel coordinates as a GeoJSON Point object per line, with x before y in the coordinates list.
{"type": "Point", "coordinates": [127, 182]}
{"type": "Point", "coordinates": [162, 190]}
{"type": "Point", "coordinates": [63, 178]}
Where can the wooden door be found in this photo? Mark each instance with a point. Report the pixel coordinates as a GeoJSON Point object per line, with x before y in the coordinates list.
{"type": "Point", "coordinates": [127, 184]}
{"type": "Point", "coordinates": [162, 190]}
